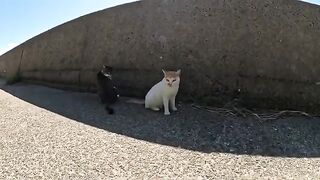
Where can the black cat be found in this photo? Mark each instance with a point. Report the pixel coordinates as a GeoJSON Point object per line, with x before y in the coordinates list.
{"type": "Point", "coordinates": [107, 91]}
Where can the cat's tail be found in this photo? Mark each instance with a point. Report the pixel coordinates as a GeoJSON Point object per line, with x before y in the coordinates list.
{"type": "Point", "coordinates": [109, 109]}
{"type": "Point", "coordinates": [135, 101]}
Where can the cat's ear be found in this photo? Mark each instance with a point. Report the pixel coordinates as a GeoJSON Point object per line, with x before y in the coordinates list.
{"type": "Point", "coordinates": [179, 72]}
{"type": "Point", "coordinates": [110, 68]}
{"type": "Point", "coordinates": [164, 72]}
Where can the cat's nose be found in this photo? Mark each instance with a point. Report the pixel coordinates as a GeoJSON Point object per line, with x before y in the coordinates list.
{"type": "Point", "coordinates": [169, 84]}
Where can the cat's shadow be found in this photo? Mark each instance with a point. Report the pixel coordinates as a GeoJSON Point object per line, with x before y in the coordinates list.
{"type": "Point", "coordinates": [188, 128]}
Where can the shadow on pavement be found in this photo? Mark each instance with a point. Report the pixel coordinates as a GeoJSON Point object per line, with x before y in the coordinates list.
{"type": "Point", "coordinates": [189, 128]}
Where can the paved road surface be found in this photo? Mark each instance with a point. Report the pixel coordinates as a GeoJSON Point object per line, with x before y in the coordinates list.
{"type": "Point", "coordinates": [52, 134]}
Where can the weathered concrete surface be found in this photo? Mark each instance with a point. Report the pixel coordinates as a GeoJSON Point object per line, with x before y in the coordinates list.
{"type": "Point", "coordinates": [268, 49]}
{"type": "Point", "coordinates": [53, 134]}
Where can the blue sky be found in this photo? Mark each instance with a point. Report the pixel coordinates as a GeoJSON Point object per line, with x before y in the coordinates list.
{"type": "Point", "coordinates": [23, 19]}
{"type": "Point", "coordinates": [313, 1]}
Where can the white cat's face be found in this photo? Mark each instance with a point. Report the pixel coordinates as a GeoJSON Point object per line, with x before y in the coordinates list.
{"type": "Point", "coordinates": [172, 78]}
{"type": "Point", "coordinates": [172, 81]}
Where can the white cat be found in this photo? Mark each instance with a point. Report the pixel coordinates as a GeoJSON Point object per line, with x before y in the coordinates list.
{"type": "Point", "coordinates": [164, 92]}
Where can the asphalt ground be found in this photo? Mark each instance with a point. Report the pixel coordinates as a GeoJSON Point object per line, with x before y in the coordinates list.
{"type": "Point", "coordinates": [48, 133]}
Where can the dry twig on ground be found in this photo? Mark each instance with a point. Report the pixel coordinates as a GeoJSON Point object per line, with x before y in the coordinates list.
{"type": "Point", "coordinates": [243, 112]}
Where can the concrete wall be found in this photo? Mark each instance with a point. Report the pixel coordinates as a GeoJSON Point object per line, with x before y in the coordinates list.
{"type": "Point", "coordinates": [268, 49]}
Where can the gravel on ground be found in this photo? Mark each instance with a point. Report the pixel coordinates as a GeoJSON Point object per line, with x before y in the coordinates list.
{"type": "Point", "coordinates": [47, 133]}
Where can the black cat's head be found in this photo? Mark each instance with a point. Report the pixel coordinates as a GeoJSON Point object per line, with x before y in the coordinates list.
{"type": "Point", "coordinates": [106, 71]}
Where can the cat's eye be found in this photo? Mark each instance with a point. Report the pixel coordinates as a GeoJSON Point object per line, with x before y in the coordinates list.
{"type": "Point", "coordinates": [167, 80]}
{"type": "Point", "coordinates": [174, 80]}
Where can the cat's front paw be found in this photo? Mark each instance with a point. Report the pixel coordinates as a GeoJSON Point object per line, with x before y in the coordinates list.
{"type": "Point", "coordinates": [167, 113]}
{"type": "Point", "coordinates": [174, 109]}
